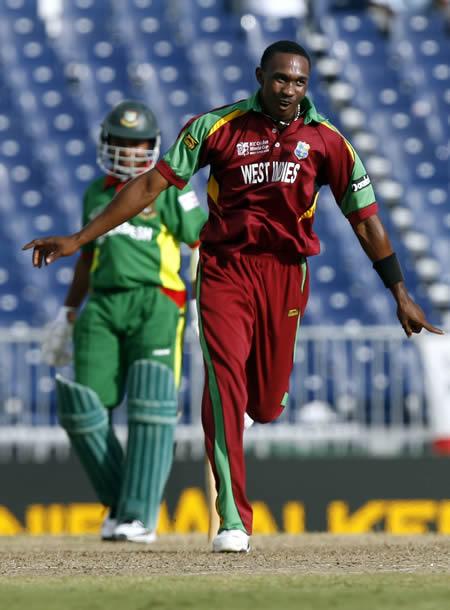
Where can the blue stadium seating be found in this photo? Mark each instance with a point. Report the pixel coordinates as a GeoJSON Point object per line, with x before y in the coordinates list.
{"type": "Point", "coordinates": [184, 58]}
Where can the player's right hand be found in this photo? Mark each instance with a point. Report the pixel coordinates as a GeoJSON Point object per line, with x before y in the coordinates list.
{"type": "Point", "coordinates": [48, 249]}
{"type": "Point", "coordinates": [56, 345]}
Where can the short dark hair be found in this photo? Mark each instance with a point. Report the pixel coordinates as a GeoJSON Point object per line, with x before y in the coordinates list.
{"type": "Point", "coordinates": [283, 46]}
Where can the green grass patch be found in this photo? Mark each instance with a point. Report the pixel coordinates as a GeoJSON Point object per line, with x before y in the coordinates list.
{"type": "Point", "coordinates": [269, 591]}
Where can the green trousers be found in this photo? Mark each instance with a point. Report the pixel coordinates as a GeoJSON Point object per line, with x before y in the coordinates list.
{"type": "Point", "coordinates": [133, 335]}
{"type": "Point", "coordinates": [117, 328]}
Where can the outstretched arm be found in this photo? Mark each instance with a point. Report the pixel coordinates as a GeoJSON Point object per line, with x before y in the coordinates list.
{"type": "Point", "coordinates": [376, 244]}
{"type": "Point", "coordinates": [138, 194]}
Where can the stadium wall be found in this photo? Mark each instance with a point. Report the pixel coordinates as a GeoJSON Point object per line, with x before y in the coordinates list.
{"type": "Point", "coordinates": [336, 495]}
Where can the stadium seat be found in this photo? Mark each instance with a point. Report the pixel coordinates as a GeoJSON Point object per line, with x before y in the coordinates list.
{"type": "Point", "coordinates": [185, 58]}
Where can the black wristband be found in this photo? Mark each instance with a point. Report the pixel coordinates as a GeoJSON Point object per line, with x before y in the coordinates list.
{"type": "Point", "coordinates": [389, 270]}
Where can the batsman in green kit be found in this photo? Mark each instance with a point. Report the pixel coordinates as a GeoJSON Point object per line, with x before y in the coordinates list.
{"type": "Point", "coordinates": [128, 339]}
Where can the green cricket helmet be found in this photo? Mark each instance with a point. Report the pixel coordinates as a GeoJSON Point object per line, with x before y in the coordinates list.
{"type": "Point", "coordinates": [130, 120]}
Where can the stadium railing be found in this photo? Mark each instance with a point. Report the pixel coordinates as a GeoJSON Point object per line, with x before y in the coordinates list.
{"type": "Point", "coordinates": [354, 390]}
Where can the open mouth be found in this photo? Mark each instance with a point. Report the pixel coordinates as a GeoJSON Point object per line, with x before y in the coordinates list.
{"type": "Point", "coordinates": [284, 105]}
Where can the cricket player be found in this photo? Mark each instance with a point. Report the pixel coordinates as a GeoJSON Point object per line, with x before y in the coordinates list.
{"type": "Point", "coordinates": [269, 155]}
{"type": "Point", "coordinates": [129, 335]}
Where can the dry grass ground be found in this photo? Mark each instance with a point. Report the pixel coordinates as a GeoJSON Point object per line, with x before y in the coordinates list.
{"type": "Point", "coordinates": [311, 571]}
{"type": "Point", "coordinates": [53, 556]}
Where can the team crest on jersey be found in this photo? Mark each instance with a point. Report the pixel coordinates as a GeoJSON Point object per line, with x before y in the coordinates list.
{"type": "Point", "coordinates": [148, 213]}
{"type": "Point", "coordinates": [302, 150]}
{"type": "Point", "coordinates": [130, 118]}
{"type": "Point", "coordinates": [190, 141]}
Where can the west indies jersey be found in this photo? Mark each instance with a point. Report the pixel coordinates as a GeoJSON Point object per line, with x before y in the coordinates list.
{"type": "Point", "coordinates": [146, 249]}
{"type": "Point", "coordinates": [264, 183]}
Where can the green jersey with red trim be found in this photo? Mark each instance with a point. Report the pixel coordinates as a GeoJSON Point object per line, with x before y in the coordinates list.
{"type": "Point", "coordinates": [264, 183]}
{"type": "Point", "coordinates": [146, 249]}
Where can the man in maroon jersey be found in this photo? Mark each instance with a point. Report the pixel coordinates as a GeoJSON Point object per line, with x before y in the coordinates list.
{"type": "Point", "coordinates": [268, 156]}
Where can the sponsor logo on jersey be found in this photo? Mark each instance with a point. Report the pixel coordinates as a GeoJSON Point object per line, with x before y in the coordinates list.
{"type": "Point", "coordinates": [252, 148]}
{"type": "Point", "coordinates": [302, 150]}
{"type": "Point", "coordinates": [137, 233]}
{"type": "Point", "coordinates": [361, 183]}
{"type": "Point", "coordinates": [161, 351]}
{"type": "Point", "coordinates": [190, 141]}
{"type": "Point", "coordinates": [130, 118]}
{"type": "Point", "coordinates": [270, 171]}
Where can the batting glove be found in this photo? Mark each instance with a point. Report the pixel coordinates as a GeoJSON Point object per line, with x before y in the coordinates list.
{"type": "Point", "coordinates": [56, 345]}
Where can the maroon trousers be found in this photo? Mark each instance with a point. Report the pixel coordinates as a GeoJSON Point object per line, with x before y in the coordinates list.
{"type": "Point", "coordinates": [250, 307]}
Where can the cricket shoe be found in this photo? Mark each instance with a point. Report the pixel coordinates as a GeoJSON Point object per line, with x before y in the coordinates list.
{"type": "Point", "coordinates": [108, 527]}
{"type": "Point", "coordinates": [231, 541]}
{"type": "Point", "coordinates": [134, 531]}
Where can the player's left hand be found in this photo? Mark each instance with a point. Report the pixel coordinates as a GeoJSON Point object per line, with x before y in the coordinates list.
{"type": "Point", "coordinates": [412, 318]}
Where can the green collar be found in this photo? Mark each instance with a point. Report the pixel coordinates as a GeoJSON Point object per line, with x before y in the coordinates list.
{"type": "Point", "coordinates": [310, 115]}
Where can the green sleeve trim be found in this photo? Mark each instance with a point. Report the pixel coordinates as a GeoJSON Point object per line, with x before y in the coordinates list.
{"type": "Point", "coordinates": [184, 155]}
{"type": "Point", "coordinates": [89, 247]}
{"type": "Point", "coordinates": [359, 193]}
{"type": "Point", "coordinates": [182, 213]}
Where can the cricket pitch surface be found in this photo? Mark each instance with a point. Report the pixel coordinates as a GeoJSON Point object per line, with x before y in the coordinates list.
{"type": "Point", "coordinates": [28, 558]}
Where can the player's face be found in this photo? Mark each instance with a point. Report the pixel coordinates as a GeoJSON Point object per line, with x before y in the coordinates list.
{"type": "Point", "coordinates": [284, 82]}
{"type": "Point", "coordinates": [133, 152]}
{"type": "Point", "coordinates": [125, 158]}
